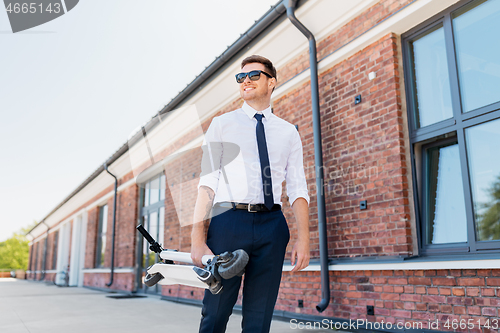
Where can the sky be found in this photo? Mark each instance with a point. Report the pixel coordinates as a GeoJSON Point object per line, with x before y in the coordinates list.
{"type": "Point", "coordinates": [73, 89]}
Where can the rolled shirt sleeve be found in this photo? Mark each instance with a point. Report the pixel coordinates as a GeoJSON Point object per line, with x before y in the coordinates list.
{"type": "Point", "coordinates": [296, 185]}
{"type": "Point", "coordinates": [212, 155]}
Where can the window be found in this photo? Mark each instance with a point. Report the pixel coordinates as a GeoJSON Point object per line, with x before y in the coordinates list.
{"type": "Point", "coordinates": [54, 250]}
{"type": "Point", "coordinates": [152, 215]}
{"type": "Point", "coordinates": [101, 236]}
{"type": "Point", "coordinates": [452, 78]}
{"type": "Point", "coordinates": [154, 191]}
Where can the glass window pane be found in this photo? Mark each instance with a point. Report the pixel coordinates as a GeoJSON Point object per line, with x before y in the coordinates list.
{"type": "Point", "coordinates": [146, 194]}
{"type": "Point", "coordinates": [153, 225]}
{"type": "Point", "coordinates": [162, 187]}
{"type": "Point", "coordinates": [104, 219]}
{"type": "Point", "coordinates": [161, 226]}
{"type": "Point", "coordinates": [446, 219]}
{"type": "Point", "coordinates": [103, 250]}
{"type": "Point", "coordinates": [155, 191]}
{"type": "Point", "coordinates": [432, 85]}
{"type": "Point", "coordinates": [484, 168]}
{"type": "Point", "coordinates": [153, 231]}
{"type": "Point", "coordinates": [104, 231]}
{"type": "Point", "coordinates": [101, 235]}
{"type": "Point", "coordinates": [145, 244]}
{"type": "Point", "coordinates": [477, 46]}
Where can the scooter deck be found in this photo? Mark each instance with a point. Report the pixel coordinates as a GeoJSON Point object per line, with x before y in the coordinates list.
{"type": "Point", "coordinates": [177, 274]}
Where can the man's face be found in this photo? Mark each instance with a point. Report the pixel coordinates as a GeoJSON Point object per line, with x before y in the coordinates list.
{"type": "Point", "coordinates": [259, 90]}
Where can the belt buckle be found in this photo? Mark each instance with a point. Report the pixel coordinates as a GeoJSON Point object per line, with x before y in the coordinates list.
{"type": "Point", "coordinates": [250, 211]}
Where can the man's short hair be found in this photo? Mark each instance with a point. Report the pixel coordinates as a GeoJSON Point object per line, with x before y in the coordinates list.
{"type": "Point", "coordinates": [261, 60]}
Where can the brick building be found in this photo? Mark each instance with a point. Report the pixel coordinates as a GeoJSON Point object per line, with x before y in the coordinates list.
{"type": "Point", "coordinates": [409, 105]}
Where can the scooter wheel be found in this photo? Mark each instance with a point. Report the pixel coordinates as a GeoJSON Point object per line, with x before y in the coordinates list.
{"type": "Point", "coordinates": [235, 266]}
{"type": "Point", "coordinates": [151, 280]}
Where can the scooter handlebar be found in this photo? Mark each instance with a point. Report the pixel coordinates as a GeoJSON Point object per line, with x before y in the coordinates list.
{"type": "Point", "coordinates": [145, 234]}
{"type": "Point", "coordinates": [155, 247]}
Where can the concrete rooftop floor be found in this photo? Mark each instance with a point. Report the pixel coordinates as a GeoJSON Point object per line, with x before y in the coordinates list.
{"type": "Point", "coordinates": [36, 307]}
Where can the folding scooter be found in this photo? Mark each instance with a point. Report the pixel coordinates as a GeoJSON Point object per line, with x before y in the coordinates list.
{"type": "Point", "coordinates": [222, 266]}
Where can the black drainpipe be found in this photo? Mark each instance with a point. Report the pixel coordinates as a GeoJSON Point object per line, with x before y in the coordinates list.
{"type": "Point", "coordinates": [318, 155]}
{"type": "Point", "coordinates": [114, 223]}
{"type": "Point", "coordinates": [45, 252]}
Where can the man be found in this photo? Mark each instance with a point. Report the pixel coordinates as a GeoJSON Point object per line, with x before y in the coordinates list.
{"type": "Point", "coordinates": [247, 195]}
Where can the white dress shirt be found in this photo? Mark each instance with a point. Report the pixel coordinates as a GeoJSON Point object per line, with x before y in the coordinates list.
{"type": "Point", "coordinates": [237, 130]}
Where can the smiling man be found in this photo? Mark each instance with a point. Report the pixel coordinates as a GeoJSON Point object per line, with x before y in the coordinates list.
{"type": "Point", "coordinates": [245, 203]}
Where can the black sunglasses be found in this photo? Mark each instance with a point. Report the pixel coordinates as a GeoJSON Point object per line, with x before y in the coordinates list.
{"type": "Point", "coordinates": [253, 75]}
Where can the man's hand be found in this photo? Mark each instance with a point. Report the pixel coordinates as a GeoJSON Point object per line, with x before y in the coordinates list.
{"type": "Point", "coordinates": [198, 251]}
{"type": "Point", "coordinates": [300, 251]}
{"type": "Point", "coordinates": [202, 209]}
{"type": "Point", "coordinates": [300, 255]}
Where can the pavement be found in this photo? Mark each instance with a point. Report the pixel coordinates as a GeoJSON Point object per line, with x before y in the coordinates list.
{"type": "Point", "coordinates": [36, 307]}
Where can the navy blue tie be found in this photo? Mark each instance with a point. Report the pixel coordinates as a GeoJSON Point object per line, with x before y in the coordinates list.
{"type": "Point", "coordinates": [265, 167]}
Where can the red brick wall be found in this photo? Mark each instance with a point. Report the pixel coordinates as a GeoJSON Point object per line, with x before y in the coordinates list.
{"type": "Point", "coordinates": [125, 237]}
{"type": "Point", "coordinates": [50, 249]}
{"type": "Point", "coordinates": [121, 281]}
{"type": "Point", "coordinates": [126, 220]}
{"type": "Point", "coordinates": [398, 296]}
{"type": "Point", "coordinates": [401, 296]}
{"type": "Point", "coordinates": [183, 292]}
{"type": "Point", "coordinates": [363, 153]}
{"type": "Point", "coordinates": [32, 265]}
{"type": "Point", "coordinates": [50, 277]}
{"type": "Point", "coordinates": [49, 264]}
{"type": "Point", "coordinates": [184, 171]}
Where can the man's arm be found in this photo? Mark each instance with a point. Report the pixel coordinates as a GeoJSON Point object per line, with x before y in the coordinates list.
{"type": "Point", "coordinates": [296, 188]}
{"type": "Point", "coordinates": [202, 209]}
{"type": "Point", "coordinates": [300, 251]}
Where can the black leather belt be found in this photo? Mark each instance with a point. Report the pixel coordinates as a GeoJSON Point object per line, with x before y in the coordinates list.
{"type": "Point", "coordinates": [251, 208]}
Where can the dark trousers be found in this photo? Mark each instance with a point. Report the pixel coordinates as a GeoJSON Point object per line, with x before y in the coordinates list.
{"type": "Point", "coordinates": [264, 236]}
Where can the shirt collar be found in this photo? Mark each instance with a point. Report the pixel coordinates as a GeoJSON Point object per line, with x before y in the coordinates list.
{"type": "Point", "coordinates": [250, 111]}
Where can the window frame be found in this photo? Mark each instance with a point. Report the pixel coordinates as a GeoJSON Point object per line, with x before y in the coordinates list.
{"type": "Point", "coordinates": [457, 247]}
{"type": "Point", "coordinates": [434, 133]}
